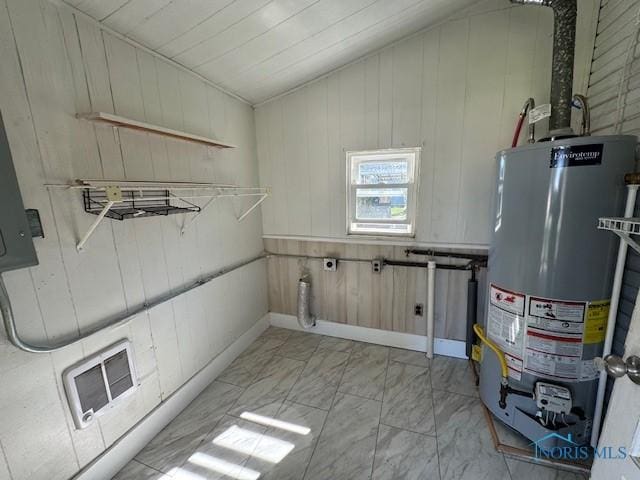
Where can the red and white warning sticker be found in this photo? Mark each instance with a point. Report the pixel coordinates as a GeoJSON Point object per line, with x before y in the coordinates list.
{"type": "Point", "coordinates": [506, 320]}
{"type": "Point", "coordinates": [546, 342]}
{"type": "Point", "coordinates": [514, 364]}
{"type": "Point", "coordinates": [552, 366]}
{"type": "Point", "coordinates": [557, 310]}
{"type": "Point", "coordinates": [553, 344]}
{"type": "Point", "coordinates": [507, 300]}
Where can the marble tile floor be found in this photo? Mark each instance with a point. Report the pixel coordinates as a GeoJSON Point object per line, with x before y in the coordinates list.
{"type": "Point", "coordinates": [300, 406]}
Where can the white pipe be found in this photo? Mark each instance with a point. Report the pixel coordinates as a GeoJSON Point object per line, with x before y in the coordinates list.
{"type": "Point", "coordinates": [632, 191]}
{"type": "Point", "coordinates": [431, 290]}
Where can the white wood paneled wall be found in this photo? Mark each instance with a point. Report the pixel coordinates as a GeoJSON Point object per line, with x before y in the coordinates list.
{"type": "Point", "coordinates": [455, 90]}
{"type": "Point", "coordinates": [354, 295]}
{"type": "Point", "coordinates": [54, 65]}
{"type": "Point", "coordinates": [614, 85]}
{"type": "Point", "coordinates": [614, 93]}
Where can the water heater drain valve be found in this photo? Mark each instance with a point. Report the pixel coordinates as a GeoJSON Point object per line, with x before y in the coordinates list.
{"type": "Point", "coordinates": [553, 398]}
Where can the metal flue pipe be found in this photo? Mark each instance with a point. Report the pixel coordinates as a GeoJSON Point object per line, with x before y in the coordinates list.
{"type": "Point", "coordinates": [565, 13]}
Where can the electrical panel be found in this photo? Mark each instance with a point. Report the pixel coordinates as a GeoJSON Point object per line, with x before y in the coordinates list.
{"type": "Point", "coordinates": [16, 244]}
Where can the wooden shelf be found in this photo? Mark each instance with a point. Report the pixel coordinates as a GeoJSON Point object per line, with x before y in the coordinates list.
{"type": "Point", "coordinates": [118, 121]}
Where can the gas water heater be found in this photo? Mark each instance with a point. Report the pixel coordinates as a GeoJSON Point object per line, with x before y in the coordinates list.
{"type": "Point", "coordinates": [550, 270]}
{"type": "Point", "coordinates": [549, 281]}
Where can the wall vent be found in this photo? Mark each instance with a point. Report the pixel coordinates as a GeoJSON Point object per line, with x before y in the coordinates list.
{"type": "Point", "coordinates": [100, 382]}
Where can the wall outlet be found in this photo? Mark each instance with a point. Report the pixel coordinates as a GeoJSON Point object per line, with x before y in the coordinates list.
{"type": "Point", "coordinates": [330, 264]}
{"type": "Point", "coordinates": [419, 310]}
{"type": "Point", "coordinates": [376, 265]}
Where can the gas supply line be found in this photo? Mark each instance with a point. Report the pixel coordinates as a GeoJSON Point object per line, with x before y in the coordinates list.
{"type": "Point", "coordinates": [505, 389]}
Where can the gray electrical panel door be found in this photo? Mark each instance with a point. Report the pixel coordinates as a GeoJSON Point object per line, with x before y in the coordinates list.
{"type": "Point", "coordinates": [16, 245]}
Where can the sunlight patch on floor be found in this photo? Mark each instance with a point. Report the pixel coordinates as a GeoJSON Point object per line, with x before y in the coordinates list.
{"type": "Point", "coordinates": [264, 447]}
{"type": "Point", "coordinates": [272, 422]}
{"type": "Point", "coordinates": [218, 465]}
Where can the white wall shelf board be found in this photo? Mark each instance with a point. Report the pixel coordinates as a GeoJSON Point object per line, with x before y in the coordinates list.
{"type": "Point", "coordinates": [623, 227]}
{"type": "Point", "coordinates": [118, 121]}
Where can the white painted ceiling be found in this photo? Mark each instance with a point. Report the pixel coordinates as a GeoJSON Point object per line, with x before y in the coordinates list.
{"type": "Point", "coordinates": [260, 48]}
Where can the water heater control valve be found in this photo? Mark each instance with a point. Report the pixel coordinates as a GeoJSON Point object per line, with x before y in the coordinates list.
{"type": "Point", "coordinates": [553, 398]}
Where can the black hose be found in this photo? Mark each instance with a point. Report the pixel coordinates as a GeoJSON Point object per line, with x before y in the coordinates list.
{"type": "Point", "coordinates": [437, 253]}
{"type": "Point", "coordinates": [439, 266]}
{"type": "Point", "coordinates": [472, 311]}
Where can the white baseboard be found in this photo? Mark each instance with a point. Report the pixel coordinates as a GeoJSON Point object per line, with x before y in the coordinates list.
{"type": "Point", "coordinates": [126, 447]}
{"type": "Point", "coordinates": [409, 341]}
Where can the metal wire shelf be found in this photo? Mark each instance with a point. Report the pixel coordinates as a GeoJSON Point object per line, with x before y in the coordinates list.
{"type": "Point", "coordinates": [623, 227]}
{"type": "Point", "coordinates": [620, 224]}
{"type": "Point", "coordinates": [125, 199]}
{"type": "Point", "coordinates": [146, 203]}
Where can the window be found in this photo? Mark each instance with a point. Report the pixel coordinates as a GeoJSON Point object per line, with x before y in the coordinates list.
{"type": "Point", "coordinates": [381, 191]}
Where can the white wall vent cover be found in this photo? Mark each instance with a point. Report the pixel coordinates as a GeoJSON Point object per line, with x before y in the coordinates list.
{"type": "Point", "coordinates": [100, 382]}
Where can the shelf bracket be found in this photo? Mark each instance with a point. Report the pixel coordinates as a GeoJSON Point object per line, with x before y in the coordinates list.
{"type": "Point", "coordinates": [624, 227]}
{"type": "Point", "coordinates": [94, 225]}
{"type": "Point", "coordinates": [114, 194]}
{"type": "Point", "coordinates": [253, 207]}
{"type": "Point", "coordinates": [189, 219]}
{"type": "Point", "coordinates": [625, 237]}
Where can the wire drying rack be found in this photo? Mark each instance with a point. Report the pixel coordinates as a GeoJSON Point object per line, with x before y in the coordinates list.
{"type": "Point", "coordinates": [623, 227]}
{"type": "Point", "coordinates": [126, 199]}
{"type": "Point", "coordinates": [147, 203]}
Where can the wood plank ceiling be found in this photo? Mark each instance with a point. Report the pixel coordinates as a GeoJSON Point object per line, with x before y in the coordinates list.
{"type": "Point", "coordinates": [261, 48]}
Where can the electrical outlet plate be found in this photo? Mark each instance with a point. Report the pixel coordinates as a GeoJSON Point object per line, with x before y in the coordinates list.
{"type": "Point", "coordinates": [330, 264]}
{"type": "Point", "coordinates": [376, 266]}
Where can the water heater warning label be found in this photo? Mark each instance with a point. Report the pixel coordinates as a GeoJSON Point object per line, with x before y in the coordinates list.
{"type": "Point", "coordinates": [546, 337]}
{"type": "Point", "coordinates": [553, 344]}
{"type": "Point", "coordinates": [541, 341]}
{"type": "Point", "coordinates": [596, 323]}
{"type": "Point", "coordinates": [556, 310]}
{"type": "Point", "coordinates": [508, 301]}
{"type": "Point", "coordinates": [552, 366]}
{"type": "Point", "coordinates": [506, 325]}
{"type": "Point", "coordinates": [556, 316]}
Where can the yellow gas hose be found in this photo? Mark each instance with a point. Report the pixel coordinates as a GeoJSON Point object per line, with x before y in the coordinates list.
{"type": "Point", "coordinates": [503, 361]}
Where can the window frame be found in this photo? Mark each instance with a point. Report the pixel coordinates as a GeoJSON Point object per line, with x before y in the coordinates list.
{"type": "Point", "coordinates": [412, 192]}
